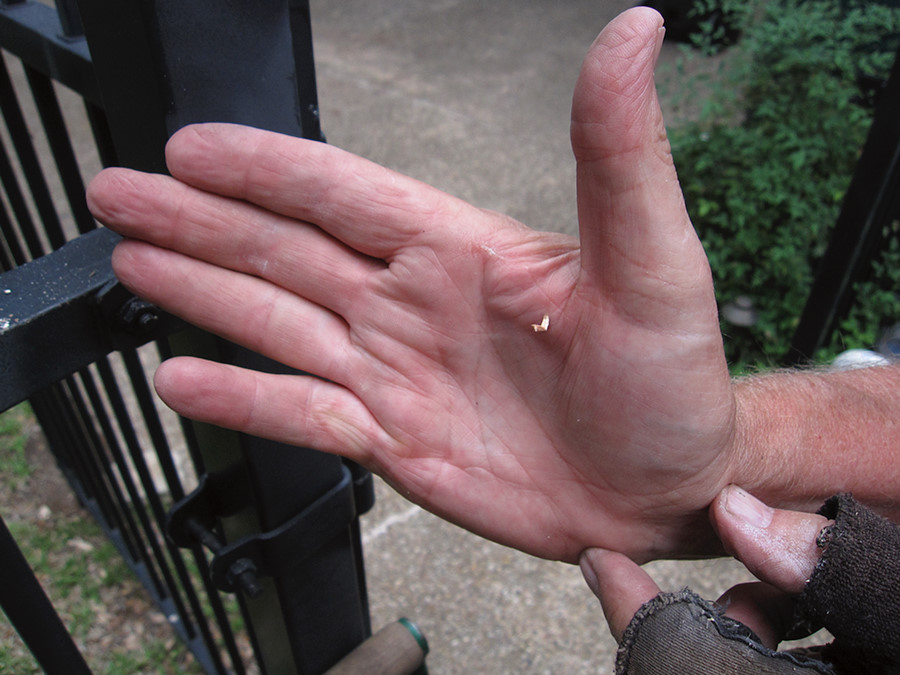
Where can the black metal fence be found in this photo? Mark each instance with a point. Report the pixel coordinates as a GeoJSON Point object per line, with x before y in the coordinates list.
{"type": "Point", "coordinates": [215, 524]}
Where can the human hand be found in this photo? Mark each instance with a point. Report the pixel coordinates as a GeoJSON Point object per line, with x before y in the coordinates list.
{"type": "Point", "coordinates": [779, 547]}
{"type": "Point", "coordinates": [612, 428]}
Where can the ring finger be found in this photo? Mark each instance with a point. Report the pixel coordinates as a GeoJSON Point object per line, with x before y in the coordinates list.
{"type": "Point", "coordinates": [244, 309]}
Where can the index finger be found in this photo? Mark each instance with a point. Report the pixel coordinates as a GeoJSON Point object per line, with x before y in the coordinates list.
{"type": "Point", "coordinates": [370, 208]}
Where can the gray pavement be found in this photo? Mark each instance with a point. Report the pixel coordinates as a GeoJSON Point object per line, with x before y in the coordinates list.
{"type": "Point", "coordinates": [474, 97]}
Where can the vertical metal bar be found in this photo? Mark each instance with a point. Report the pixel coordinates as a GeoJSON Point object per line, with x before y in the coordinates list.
{"type": "Point", "coordinates": [30, 611]}
{"type": "Point", "coordinates": [214, 598]}
{"type": "Point", "coordinates": [218, 609]}
{"type": "Point", "coordinates": [13, 255]}
{"type": "Point", "coordinates": [28, 160]}
{"type": "Point", "coordinates": [60, 422]}
{"type": "Point", "coordinates": [6, 257]}
{"type": "Point", "coordinates": [364, 501]}
{"type": "Point", "coordinates": [69, 18]}
{"type": "Point", "coordinates": [16, 199]}
{"type": "Point", "coordinates": [140, 551]}
{"type": "Point", "coordinates": [304, 67]}
{"type": "Point", "coordinates": [872, 200]}
{"type": "Point", "coordinates": [177, 580]}
{"type": "Point", "coordinates": [149, 562]}
{"type": "Point", "coordinates": [20, 210]}
{"type": "Point", "coordinates": [115, 506]}
{"type": "Point", "coordinates": [120, 412]}
{"type": "Point", "coordinates": [164, 456]}
{"type": "Point", "coordinates": [151, 421]}
{"type": "Point", "coordinates": [65, 421]}
{"type": "Point", "coordinates": [134, 87]}
{"type": "Point", "coordinates": [60, 147]}
{"type": "Point", "coordinates": [164, 347]}
{"type": "Point", "coordinates": [79, 451]}
{"type": "Point", "coordinates": [120, 517]}
{"type": "Point", "coordinates": [102, 136]}
{"type": "Point", "coordinates": [146, 563]}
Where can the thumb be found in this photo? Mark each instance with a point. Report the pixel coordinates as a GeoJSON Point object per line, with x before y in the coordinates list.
{"type": "Point", "coordinates": [636, 236]}
{"type": "Point", "coordinates": [620, 585]}
{"type": "Point", "coordinates": [777, 546]}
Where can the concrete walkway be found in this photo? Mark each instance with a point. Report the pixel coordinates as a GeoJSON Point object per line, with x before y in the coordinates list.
{"type": "Point", "coordinates": [474, 98]}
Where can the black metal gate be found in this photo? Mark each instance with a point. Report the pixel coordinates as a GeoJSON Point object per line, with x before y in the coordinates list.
{"type": "Point", "coordinates": [78, 346]}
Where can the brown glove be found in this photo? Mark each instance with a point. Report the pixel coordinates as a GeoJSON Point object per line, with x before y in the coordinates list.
{"type": "Point", "coordinates": [854, 592]}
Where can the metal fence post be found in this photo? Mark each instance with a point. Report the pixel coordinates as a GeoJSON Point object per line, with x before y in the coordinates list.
{"type": "Point", "coordinates": [871, 203]}
{"type": "Point", "coordinates": [161, 65]}
{"type": "Point", "coordinates": [29, 610]}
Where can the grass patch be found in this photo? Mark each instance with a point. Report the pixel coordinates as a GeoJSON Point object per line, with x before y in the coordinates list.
{"type": "Point", "coordinates": [14, 425]}
{"type": "Point", "coordinates": [104, 607]}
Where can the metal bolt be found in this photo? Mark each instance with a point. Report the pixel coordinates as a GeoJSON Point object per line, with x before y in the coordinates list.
{"type": "Point", "coordinates": [138, 317]}
{"type": "Point", "coordinates": [147, 320]}
{"type": "Point", "coordinates": [243, 573]}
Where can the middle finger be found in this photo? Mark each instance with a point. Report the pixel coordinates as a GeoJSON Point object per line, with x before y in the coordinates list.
{"type": "Point", "coordinates": [232, 234]}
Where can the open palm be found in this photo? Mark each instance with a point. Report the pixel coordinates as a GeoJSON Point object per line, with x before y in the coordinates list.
{"type": "Point", "coordinates": [609, 425]}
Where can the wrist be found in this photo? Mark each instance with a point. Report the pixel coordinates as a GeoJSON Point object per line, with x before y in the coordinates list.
{"type": "Point", "coordinates": [803, 436]}
{"type": "Point", "coordinates": [762, 432]}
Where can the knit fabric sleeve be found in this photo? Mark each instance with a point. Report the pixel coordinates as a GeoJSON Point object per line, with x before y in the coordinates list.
{"type": "Point", "coordinates": [854, 591]}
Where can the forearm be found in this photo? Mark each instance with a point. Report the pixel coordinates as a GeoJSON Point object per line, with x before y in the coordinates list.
{"type": "Point", "coordinates": [803, 436]}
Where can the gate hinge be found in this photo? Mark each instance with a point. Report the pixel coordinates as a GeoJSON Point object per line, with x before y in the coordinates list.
{"type": "Point", "coordinates": [240, 564]}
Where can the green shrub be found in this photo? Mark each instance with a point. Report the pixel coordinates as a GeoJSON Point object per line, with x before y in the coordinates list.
{"type": "Point", "coordinates": [765, 167]}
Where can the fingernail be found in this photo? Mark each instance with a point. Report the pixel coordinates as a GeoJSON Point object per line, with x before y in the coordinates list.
{"type": "Point", "coordinates": [587, 571]}
{"type": "Point", "coordinates": [660, 39]}
{"type": "Point", "coordinates": [746, 507]}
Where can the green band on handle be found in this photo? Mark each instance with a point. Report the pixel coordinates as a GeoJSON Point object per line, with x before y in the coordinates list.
{"type": "Point", "coordinates": [415, 632]}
